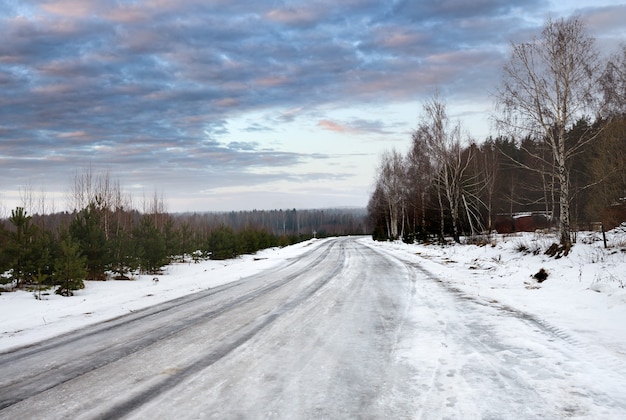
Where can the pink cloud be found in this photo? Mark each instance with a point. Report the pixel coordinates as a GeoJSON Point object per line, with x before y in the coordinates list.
{"type": "Point", "coordinates": [127, 14]}
{"type": "Point", "coordinates": [71, 8]}
{"type": "Point", "coordinates": [54, 89]}
{"type": "Point", "coordinates": [72, 135]}
{"type": "Point", "coordinates": [294, 15]}
{"type": "Point", "coordinates": [355, 126]}
{"type": "Point", "coordinates": [332, 126]}
{"type": "Point", "coordinates": [607, 18]}
{"type": "Point", "coordinates": [394, 38]}
{"type": "Point", "coordinates": [227, 102]}
{"type": "Point", "coordinates": [272, 81]}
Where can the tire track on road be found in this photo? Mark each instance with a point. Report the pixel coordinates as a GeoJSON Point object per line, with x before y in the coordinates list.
{"type": "Point", "coordinates": [74, 365]}
{"type": "Point", "coordinates": [224, 349]}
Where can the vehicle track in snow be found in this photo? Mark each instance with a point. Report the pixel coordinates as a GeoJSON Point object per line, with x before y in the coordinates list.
{"type": "Point", "coordinates": [548, 374]}
{"type": "Point", "coordinates": [344, 331]}
{"type": "Point", "coordinates": [541, 325]}
{"type": "Point", "coordinates": [31, 370]}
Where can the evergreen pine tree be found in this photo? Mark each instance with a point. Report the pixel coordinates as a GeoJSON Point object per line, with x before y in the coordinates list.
{"type": "Point", "coordinates": [87, 230]}
{"type": "Point", "coordinates": [19, 242]}
{"type": "Point", "coordinates": [223, 243]}
{"type": "Point", "coordinates": [150, 246]}
{"type": "Point", "coordinates": [70, 268]}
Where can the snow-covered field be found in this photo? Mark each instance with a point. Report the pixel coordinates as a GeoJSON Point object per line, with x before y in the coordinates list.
{"type": "Point", "coordinates": [583, 297]}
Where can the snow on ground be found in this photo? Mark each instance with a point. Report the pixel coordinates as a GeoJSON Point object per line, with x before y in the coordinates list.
{"type": "Point", "coordinates": [583, 298]}
{"type": "Point", "coordinates": [25, 320]}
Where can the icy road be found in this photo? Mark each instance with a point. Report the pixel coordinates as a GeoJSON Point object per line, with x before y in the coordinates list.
{"type": "Point", "coordinates": [344, 331]}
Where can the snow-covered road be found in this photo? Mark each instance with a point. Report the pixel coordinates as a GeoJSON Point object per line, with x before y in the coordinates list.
{"type": "Point", "coordinates": [346, 330]}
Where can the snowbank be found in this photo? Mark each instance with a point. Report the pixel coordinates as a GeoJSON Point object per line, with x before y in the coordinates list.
{"type": "Point", "coordinates": [583, 298]}
{"type": "Point", "coordinates": [25, 320]}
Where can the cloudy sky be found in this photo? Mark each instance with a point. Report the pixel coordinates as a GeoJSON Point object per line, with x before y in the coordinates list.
{"type": "Point", "coordinates": [233, 105]}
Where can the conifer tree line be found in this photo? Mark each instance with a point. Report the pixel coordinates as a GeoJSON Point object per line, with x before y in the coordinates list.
{"type": "Point", "coordinates": [105, 236]}
{"type": "Point", "coordinates": [560, 152]}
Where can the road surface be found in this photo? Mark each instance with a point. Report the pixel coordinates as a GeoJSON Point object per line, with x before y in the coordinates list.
{"type": "Point", "coordinates": [344, 331]}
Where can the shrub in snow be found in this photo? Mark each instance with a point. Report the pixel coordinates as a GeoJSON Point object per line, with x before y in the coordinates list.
{"type": "Point", "coordinates": [607, 280]}
{"type": "Point", "coordinates": [528, 248]}
{"type": "Point", "coordinates": [557, 251]}
{"type": "Point", "coordinates": [540, 275]}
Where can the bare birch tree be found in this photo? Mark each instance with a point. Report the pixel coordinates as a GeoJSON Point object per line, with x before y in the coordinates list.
{"type": "Point", "coordinates": [550, 83]}
{"type": "Point", "coordinates": [101, 192]}
{"type": "Point", "coordinates": [391, 181]}
{"type": "Point", "coordinates": [420, 179]}
{"type": "Point", "coordinates": [442, 137]}
{"type": "Point", "coordinates": [489, 169]}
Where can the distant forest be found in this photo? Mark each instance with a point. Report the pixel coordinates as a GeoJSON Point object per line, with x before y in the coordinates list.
{"type": "Point", "coordinates": [106, 237]}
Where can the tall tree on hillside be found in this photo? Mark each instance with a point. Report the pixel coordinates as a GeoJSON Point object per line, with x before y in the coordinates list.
{"type": "Point", "coordinates": [550, 83]}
